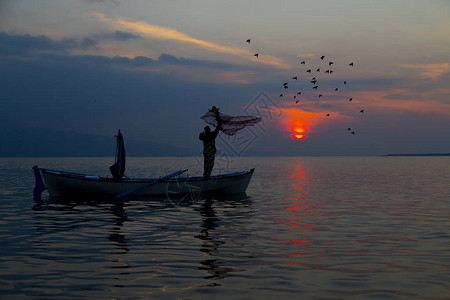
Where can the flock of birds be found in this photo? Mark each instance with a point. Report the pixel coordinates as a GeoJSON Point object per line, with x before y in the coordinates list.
{"type": "Point", "coordinates": [312, 76]}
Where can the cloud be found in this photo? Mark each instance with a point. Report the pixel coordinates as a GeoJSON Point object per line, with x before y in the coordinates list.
{"type": "Point", "coordinates": [429, 70]}
{"type": "Point", "coordinates": [125, 36]}
{"type": "Point", "coordinates": [166, 33]}
{"type": "Point", "coordinates": [26, 44]}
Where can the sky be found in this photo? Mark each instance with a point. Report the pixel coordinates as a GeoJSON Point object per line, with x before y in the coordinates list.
{"type": "Point", "coordinates": [153, 68]}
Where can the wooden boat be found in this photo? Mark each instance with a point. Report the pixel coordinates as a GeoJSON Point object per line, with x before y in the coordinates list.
{"type": "Point", "coordinates": [61, 184]}
{"type": "Point", "coordinates": [65, 184]}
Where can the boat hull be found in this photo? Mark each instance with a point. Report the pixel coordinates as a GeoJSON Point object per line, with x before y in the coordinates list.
{"type": "Point", "coordinates": [62, 184]}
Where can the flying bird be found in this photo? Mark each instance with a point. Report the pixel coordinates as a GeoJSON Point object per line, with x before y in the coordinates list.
{"type": "Point", "coordinates": [353, 132]}
{"type": "Point", "coordinates": [327, 71]}
{"type": "Point", "coordinates": [330, 63]}
{"type": "Point", "coordinates": [248, 41]}
{"type": "Point", "coordinates": [256, 54]}
{"type": "Point", "coordinates": [328, 115]}
{"type": "Point", "coordinates": [320, 96]}
{"type": "Point", "coordinates": [315, 87]}
{"type": "Point", "coordinates": [345, 82]}
{"type": "Point", "coordinates": [348, 129]}
{"type": "Point", "coordinates": [281, 95]}
{"type": "Point", "coordinates": [322, 57]}
{"type": "Point", "coordinates": [296, 101]}
{"type": "Point", "coordinates": [361, 111]}
{"type": "Point", "coordinates": [318, 70]}
{"type": "Point", "coordinates": [350, 99]}
{"type": "Point", "coordinates": [299, 93]}
{"type": "Point", "coordinates": [295, 78]}
{"type": "Point", "coordinates": [302, 63]}
{"type": "Point", "coordinates": [313, 81]}
{"type": "Point", "coordinates": [350, 64]}
{"type": "Point", "coordinates": [336, 89]}
{"type": "Point", "coordinates": [308, 71]}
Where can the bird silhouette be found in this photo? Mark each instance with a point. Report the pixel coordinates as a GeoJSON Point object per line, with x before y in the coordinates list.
{"type": "Point", "coordinates": [286, 87]}
{"type": "Point", "coordinates": [308, 71]}
{"type": "Point", "coordinates": [350, 64]}
{"type": "Point", "coordinates": [361, 111]}
{"type": "Point", "coordinates": [256, 54]}
{"type": "Point", "coordinates": [281, 95]}
{"type": "Point", "coordinates": [348, 129]}
{"type": "Point", "coordinates": [353, 132]}
{"type": "Point", "coordinates": [315, 87]}
{"type": "Point", "coordinates": [303, 62]}
{"type": "Point", "coordinates": [320, 96]}
{"type": "Point", "coordinates": [328, 115]}
{"type": "Point", "coordinates": [322, 57]}
{"type": "Point", "coordinates": [313, 81]}
{"type": "Point", "coordinates": [295, 78]}
{"type": "Point", "coordinates": [330, 63]}
{"type": "Point", "coordinates": [331, 71]}
{"type": "Point", "coordinates": [345, 82]}
{"type": "Point", "coordinates": [318, 70]}
{"type": "Point", "coordinates": [296, 101]}
{"type": "Point", "coordinates": [285, 83]}
{"type": "Point", "coordinates": [295, 96]}
{"type": "Point", "coordinates": [248, 41]}
{"type": "Point", "coordinates": [350, 99]}
{"type": "Point", "coordinates": [336, 89]}
{"type": "Point", "coordinates": [327, 71]}
{"type": "Point", "coordinates": [299, 93]}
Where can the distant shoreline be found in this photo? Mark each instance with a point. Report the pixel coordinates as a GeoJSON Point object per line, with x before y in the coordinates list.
{"type": "Point", "coordinates": [420, 154]}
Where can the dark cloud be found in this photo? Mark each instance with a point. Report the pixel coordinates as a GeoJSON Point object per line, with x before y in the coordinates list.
{"type": "Point", "coordinates": [125, 36]}
{"type": "Point", "coordinates": [27, 44]}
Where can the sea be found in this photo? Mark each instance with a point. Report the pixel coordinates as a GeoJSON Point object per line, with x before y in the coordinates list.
{"type": "Point", "coordinates": [363, 227]}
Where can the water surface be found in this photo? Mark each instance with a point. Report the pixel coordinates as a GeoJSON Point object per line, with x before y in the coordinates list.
{"type": "Point", "coordinates": [310, 227]}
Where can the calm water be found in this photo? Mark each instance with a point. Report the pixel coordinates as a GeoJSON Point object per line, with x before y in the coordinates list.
{"type": "Point", "coordinates": [311, 228]}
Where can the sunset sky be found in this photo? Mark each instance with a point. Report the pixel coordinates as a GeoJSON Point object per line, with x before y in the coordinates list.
{"type": "Point", "coordinates": [153, 68]}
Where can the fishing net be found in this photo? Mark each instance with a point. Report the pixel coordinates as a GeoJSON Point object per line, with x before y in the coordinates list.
{"type": "Point", "coordinates": [229, 125]}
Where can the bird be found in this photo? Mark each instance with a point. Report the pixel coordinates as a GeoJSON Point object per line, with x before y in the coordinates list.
{"type": "Point", "coordinates": [295, 96]}
{"type": "Point", "coordinates": [248, 41]}
{"type": "Point", "coordinates": [327, 71]}
{"type": "Point", "coordinates": [308, 71]}
{"type": "Point", "coordinates": [361, 111]}
{"type": "Point", "coordinates": [295, 78]}
{"type": "Point", "coordinates": [348, 129]}
{"type": "Point", "coordinates": [303, 62]}
{"type": "Point", "coordinates": [299, 93]}
{"type": "Point", "coordinates": [353, 132]}
{"type": "Point", "coordinates": [281, 95]}
{"type": "Point", "coordinates": [345, 82]}
{"type": "Point", "coordinates": [296, 101]}
{"type": "Point", "coordinates": [313, 81]}
{"type": "Point", "coordinates": [331, 71]}
{"type": "Point", "coordinates": [328, 115]}
{"type": "Point", "coordinates": [350, 64]}
{"type": "Point", "coordinates": [256, 54]}
{"type": "Point", "coordinates": [320, 96]}
{"type": "Point", "coordinates": [336, 89]}
{"type": "Point", "coordinates": [315, 87]}
{"type": "Point", "coordinates": [350, 99]}
{"type": "Point", "coordinates": [286, 87]}
{"type": "Point", "coordinates": [330, 63]}
{"type": "Point", "coordinates": [285, 83]}
{"type": "Point", "coordinates": [318, 70]}
{"type": "Point", "coordinates": [322, 57]}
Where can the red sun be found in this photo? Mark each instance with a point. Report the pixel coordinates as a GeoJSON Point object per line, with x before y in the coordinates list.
{"type": "Point", "coordinates": [298, 136]}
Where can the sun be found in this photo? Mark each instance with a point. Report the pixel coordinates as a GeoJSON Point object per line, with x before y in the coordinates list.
{"type": "Point", "coordinates": [298, 136]}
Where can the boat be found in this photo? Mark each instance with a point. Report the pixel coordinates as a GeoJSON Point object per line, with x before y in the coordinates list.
{"type": "Point", "coordinates": [60, 183]}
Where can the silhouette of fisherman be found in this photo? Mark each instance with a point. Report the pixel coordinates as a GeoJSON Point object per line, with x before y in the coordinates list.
{"type": "Point", "coordinates": [209, 144]}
